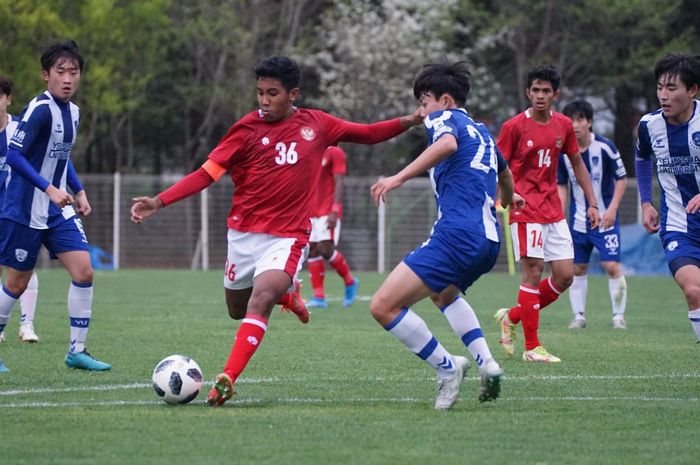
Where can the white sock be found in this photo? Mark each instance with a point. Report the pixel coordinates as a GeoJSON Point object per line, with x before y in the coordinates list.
{"type": "Point", "coordinates": [694, 317]}
{"type": "Point", "coordinates": [27, 301]}
{"type": "Point", "coordinates": [578, 292]}
{"type": "Point", "coordinates": [79, 311]}
{"type": "Point", "coordinates": [618, 295]}
{"type": "Point", "coordinates": [410, 329]}
{"type": "Point", "coordinates": [7, 301]}
{"type": "Point", "coordinates": [464, 322]}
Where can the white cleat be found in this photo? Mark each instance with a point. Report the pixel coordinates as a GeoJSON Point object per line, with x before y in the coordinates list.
{"type": "Point", "coordinates": [619, 323]}
{"type": "Point", "coordinates": [539, 354]}
{"type": "Point", "coordinates": [26, 332]}
{"type": "Point", "coordinates": [577, 323]}
{"type": "Point", "coordinates": [507, 330]}
{"type": "Point", "coordinates": [448, 388]}
{"type": "Point", "coordinates": [490, 383]}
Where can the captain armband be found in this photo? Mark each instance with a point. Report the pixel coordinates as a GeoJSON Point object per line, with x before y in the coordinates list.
{"type": "Point", "coordinates": [213, 169]}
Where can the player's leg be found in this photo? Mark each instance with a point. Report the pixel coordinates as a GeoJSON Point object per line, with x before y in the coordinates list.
{"type": "Point", "coordinates": [27, 304]}
{"type": "Point", "coordinates": [617, 287]}
{"type": "Point", "coordinates": [316, 264]}
{"type": "Point", "coordinates": [390, 307]}
{"type": "Point", "coordinates": [578, 292]}
{"type": "Point", "coordinates": [15, 283]}
{"type": "Point", "coordinates": [559, 253]}
{"type": "Point", "coordinates": [337, 261]}
{"type": "Point", "coordinates": [688, 278]}
{"type": "Point", "coordinates": [2, 333]}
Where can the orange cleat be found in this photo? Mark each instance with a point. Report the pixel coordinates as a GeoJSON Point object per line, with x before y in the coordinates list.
{"type": "Point", "coordinates": [222, 390]}
{"type": "Point", "coordinates": [292, 302]}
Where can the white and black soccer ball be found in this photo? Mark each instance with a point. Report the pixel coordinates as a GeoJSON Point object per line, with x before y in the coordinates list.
{"type": "Point", "coordinates": [177, 379]}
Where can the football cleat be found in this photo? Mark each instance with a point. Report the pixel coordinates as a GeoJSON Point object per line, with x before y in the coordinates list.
{"type": "Point", "coordinates": [351, 293]}
{"type": "Point", "coordinates": [295, 304]}
{"type": "Point", "coordinates": [84, 361]}
{"type": "Point", "coordinates": [448, 388]}
{"type": "Point", "coordinates": [490, 383]}
{"type": "Point", "coordinates": [2, 336]}
{"type": "Point", "coordinates": [222, 390]}
{"type": "Point", "coordinates": [3, 368]}
{"type": "Point", "coordinates": [507, 330]}
{"type": "Point", "coordinates": [317, 302]}
{"type": "Point", "coordinates": [26, 332]}
{"type": "Point", "coordinates": [539, 354]}
{"type": "Point", "coordinates": [577, 323]}
{"type": "Point", "coordinates": [619, 323]}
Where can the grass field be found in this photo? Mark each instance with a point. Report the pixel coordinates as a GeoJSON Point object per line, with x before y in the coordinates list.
{"type": "Point", "coordinates": [341, 390]}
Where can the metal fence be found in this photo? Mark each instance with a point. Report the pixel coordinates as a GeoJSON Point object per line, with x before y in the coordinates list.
{"type": "Point", "coordinates": [192, 233]}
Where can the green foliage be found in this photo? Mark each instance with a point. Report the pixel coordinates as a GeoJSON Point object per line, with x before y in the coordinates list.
{"type": "Point", "coordinates": [342, 390]}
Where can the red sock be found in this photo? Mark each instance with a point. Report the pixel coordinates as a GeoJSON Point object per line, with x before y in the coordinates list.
{"type": "Point", "coordinates": [549, 292]}
{"type": "Point", "coordinates": [339, 264]}
{"type": "Point", "coordinates": [248, 339]}
{"type": "Point", "coordinates": [528, 312]}
{"type": "Point", "coordinates": [317, 271]}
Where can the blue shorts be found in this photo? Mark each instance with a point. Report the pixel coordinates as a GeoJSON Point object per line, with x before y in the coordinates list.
{"type": "Point", "coordinates": [452, 259]}
{"type": "Point", "coordinates": [678, 245]}
{"type": "Point", "coordinates": [607, 243]}
{"type": "Point", "coordinates": [20, 244]}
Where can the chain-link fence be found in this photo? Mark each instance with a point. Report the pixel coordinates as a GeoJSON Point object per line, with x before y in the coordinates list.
{"type": "Point", "coordinates": [192, 233]}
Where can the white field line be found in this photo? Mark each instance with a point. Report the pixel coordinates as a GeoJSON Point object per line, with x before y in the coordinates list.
{"type": "Point", "coordinates": [276, 380]}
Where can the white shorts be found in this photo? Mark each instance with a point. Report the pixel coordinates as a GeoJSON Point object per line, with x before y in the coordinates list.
{"type": "Point", "coordinates": [550, 241]}
{"type": "Point", "coordinates": [320, 231]}
{"type": "Point", "coordinates": [250, 254]}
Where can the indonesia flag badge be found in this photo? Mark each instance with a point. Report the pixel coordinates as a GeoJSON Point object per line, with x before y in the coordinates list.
{"type": "Point", "coordinates": [307, 133]}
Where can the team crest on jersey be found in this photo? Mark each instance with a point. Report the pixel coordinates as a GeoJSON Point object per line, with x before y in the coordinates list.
{"type": "Point", "coordinates": [265, 141]}
{"type": "Point", "coordinates": [559, 143]}
{"type": "Point", "coordinates": [307, 133]}
{"type": "Point", "coordinates": [21, 255]}
{"type": "Point", "coordinates": [594, 161]}
{"type": "Point", "coordinates": [19, 136]}
{"type": "Point", "coordinates": [530, 144]}
{"type": "Point", "coordinates": [696, 138]}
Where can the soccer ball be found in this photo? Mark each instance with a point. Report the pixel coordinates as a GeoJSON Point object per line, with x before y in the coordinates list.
{"type": "Point", "coordinates": [177, 379]}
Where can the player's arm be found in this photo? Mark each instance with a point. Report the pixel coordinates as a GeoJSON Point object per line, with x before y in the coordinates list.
{"type": "Point", "coordinates": [563, 191]}
{"type": "Point", "coordinates": [82, 205]}
{"type": "Point", "coordinates": [562, 183]}
{"type": "Point", "coordinates": [610, 215]}
{"type": "Point", "coordinates": [21, 166]}
{"type": "Point", "coordinates": [645, 170]}
{"type": "Point", "coordinates": [442, 148]}
{"type": "Point", "coordinates": [337, 208]}
{"type": "Point", "coordinates": [584, 180]}
{"type": "Point", "coordinates": [341, 130]}
{"type": "Point", "coordinates": [196, 181]}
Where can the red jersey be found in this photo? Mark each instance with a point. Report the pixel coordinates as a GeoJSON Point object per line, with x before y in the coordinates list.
{"type": "Point", "coordinates": [532, 150]}
{"type": "Point", "coordinates": [332, 163]}
{"type": "Point", "coordinates": [274, 166]}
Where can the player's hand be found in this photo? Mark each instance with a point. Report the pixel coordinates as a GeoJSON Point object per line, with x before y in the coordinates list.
{"type": "Point", "coordinates": [594, 217]}
{"type": "Point", "coordinates": [332, 220]}
{"type": "Point", "coordinates": [82, 206]}
{"type": "Point", "coordinates": [413, 119]}
{"type": "Point", "coordinates": [517, 202]}
{"type": "Point", "coordinates": [144, 207]}
{"type": "Point", "coordinates": [58, 196]}
{"type": "Point", "coordinates": [381, 188]}
{"type": "Point", "coordinates": [608, 219]}
{"type": "Point", "coordinates": [650, 218]}
{"type": "Point", "coordinates": [693, 205]}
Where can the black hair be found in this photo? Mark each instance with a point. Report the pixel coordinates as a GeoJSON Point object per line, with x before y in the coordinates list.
{"type": "Point", "coordinates": [686, 67]}
{"type": "Point", "coordinates": [6, 86]}
{"type": "Point", "coordinates": [282, 68]}
{"type": "Point", "coordinates": [64, 49]}
{"type": "Point", "coordinates": [578, 109]}
{"type": "Point", "coordinates": [544, 73]}
{"type": "Point", "coordinates": [444, 78]}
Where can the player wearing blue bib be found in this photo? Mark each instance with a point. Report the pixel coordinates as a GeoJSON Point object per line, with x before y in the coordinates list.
{"type": "Point", "coordinates": [609, 180]}
{"type": "Point", "coordinates": [462, 162]}
{"type": "Point", "coordinates": [27, 300]}
{"type": "Point", "coordinates": [37, 208]}
{"type": "Point", "coordinates": [670, 138]}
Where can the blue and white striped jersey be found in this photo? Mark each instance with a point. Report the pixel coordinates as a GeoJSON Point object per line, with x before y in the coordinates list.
{"type": "Point", "coordinates": [605, 166]}
{"type": "Point", "coordinates": [5, 136]}
{"type": "Point", "coordinates": [45, 136]}
{"type": "Point", "coordinates": [676, 149]}
{"type": "Point", "coordinates": [464, 184]}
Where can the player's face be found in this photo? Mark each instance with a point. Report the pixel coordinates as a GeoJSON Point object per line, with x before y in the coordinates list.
{"type": "Point", "coordinates": [63, 79]}
{"type": "Point", "coordinates": [429, 103]}
{"type": "Point", "coordinates": [274, 101]}
{"type": "Point", "coordinates": [582, 127]}
{"type": "Point", "coordinates": [541, 95]}
{"type": "Point", "coordinates": [675, 98]}
{"type": "Point", "coordinates": [5, 101]}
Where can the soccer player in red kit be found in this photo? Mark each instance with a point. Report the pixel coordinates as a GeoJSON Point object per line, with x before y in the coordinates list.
{"type": "Point", "coordinates": [325, 230]}
{"type": "Point", "coordinates": [531, 142]}
{"type": "Point", "coordinates": [273, 156]}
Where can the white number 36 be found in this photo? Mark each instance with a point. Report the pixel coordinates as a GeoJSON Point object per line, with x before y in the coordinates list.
{"type": "Point", "coordinates": [286, 156]}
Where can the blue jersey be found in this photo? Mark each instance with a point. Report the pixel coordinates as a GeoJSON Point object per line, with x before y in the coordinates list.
{"type": "Point", "coordinates": [676, 149]}
{"type": "Point", "coordinates": [464, 184]}
{"type": "Point", "coordinates": [605, 166]}
{"type": "Point", "coordinates": [5, 136]}
{"type": "Point", "coordinates": [45, 136]}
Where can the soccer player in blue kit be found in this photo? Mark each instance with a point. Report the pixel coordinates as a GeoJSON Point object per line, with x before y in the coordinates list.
{"type": "Point", "coordinates": [462, 161]}
{"type": "Point", "coordinates": [670, 138]}
{"type": "Point", "coordinates": [609, 181]}
{"type": "Point", "coordinates": [38, 210]}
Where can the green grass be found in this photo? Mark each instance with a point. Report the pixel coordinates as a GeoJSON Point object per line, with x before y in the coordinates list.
{"type": "Point", "coordinates": [341, 390]}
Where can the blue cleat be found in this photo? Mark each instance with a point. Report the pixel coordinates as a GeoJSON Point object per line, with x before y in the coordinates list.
{"type": "Point", "coordinates": [3, 368]}
{"type": "Point", "coordinates": [317, 302]}
{"type": "Point", "coordinates": [84, 361]}
{"type": "Point", "coordinates": [350, 293]}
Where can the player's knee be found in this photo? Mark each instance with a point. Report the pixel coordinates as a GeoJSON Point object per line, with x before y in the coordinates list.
{"type": "Point", "coordinates": [564, 281]}
{"type": "Point", "coordinates": [236, 312]}
{"type": "Point", "coordinates": [83, 275]}
{"type": "Point", "coordinates": [378, 307]}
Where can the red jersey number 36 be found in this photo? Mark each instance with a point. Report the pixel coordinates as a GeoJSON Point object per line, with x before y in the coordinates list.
{"type": "Point", "coordinates": [286, 155]}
